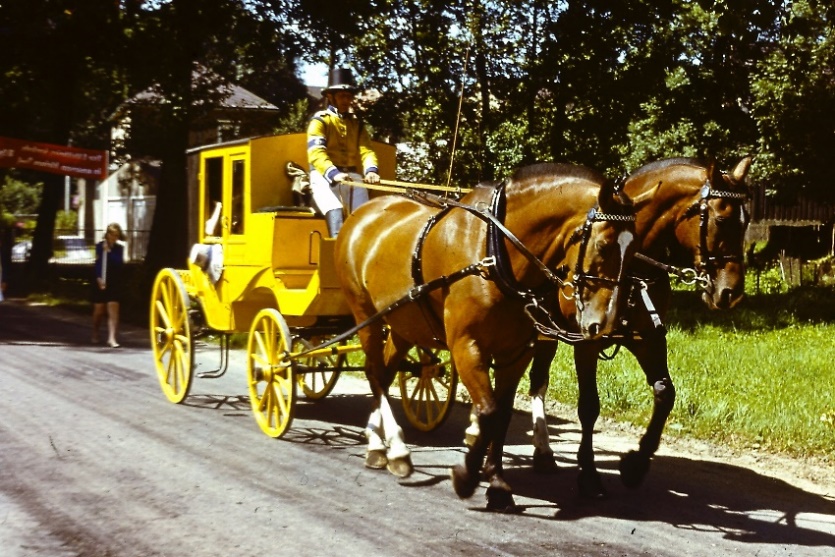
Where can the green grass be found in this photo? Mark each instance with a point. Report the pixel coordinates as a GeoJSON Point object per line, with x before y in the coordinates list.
{"type": "Point", "coordinates": [758, 376]}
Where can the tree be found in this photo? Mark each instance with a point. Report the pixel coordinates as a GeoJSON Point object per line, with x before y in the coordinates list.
{"type": "Point", "coordinates": [233, 40]}
{"type": "Point", "coordinates": [794, 104]}
{"type": "Point", "coordinates": [56, 67]}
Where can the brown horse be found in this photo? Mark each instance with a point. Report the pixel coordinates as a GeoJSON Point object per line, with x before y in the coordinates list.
{"type": "Point", "coordinates": [688, 214]}
{"type": "Point", "coordinates": [551, 239]}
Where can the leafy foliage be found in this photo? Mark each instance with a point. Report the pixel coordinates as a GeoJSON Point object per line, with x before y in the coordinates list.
{"type": "Point", "coordinates": [18, 198]}
{"type": "Point", "coordinates": [474, 88]}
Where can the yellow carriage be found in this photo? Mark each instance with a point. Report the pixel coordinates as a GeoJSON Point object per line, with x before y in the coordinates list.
{"type": "Point", "coordinates": [262, 264]}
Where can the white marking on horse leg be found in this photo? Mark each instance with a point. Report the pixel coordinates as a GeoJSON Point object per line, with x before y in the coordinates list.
{"type": "Point", "coordinates": [374, 431]}
{"type": "Point", "coordinates": [394, 434]}
{"type": "Point", "coordinates": [540, 438]}
{"type": "Point", "coordinates": [472, 432]}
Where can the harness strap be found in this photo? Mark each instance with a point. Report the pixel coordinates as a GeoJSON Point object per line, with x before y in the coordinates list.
{"type": "Point", "coordinates": [488, 217]}
{"type": "Point", "coordinates": [501, 273]}
{"type": "Point", "coordinates": [433, 321]}
{"type": "Point", "coordinates": [687, 276]}
{"type": "Point", "coordinates": [414, 294]}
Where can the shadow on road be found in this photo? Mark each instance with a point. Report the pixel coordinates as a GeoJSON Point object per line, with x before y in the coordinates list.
{"type": "Point", "coordinates": [689, 494]}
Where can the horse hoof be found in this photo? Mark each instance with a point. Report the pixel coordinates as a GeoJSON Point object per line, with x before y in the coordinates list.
{"type": "Point", "coordinates": [401, 467]}
{"type": "Point", "coordinates": [376, 460]}
{"type": "Point", "coordinates": [501, 501]}
{"type": "Point", "coordinates": [633, 467]}
{"type": "Point", "coordinates": [544, 463]}
{"type": "Point", "coordinates": [470, 439]}
{"type": "Point", "coordinates": [591, 485]}
{"type": "Point", "coordinates": [463, 482]}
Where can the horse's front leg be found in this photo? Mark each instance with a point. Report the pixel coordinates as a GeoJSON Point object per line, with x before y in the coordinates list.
{"type": "Point", "coordinates": [473, 371]}
{"type": "Point", "coordinates": [651, 354]}
{"type": "Point", "coordinates": [588, 410]}
{"type": "Point", "coordinates": [543, 454]}
{"type": "Point", "coordinates": [499, 492]}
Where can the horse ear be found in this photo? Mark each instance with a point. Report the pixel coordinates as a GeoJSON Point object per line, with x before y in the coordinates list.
{"type": "Point", "coordinates": [741, 169]}
{"type": "Point", "coordinates": [710, 168]}
{"type": "Point", "coordinates": [606, 195]}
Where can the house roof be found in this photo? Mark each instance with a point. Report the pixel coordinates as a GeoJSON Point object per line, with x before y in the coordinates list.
{"type": "Point", "coordinates": [230, 96]}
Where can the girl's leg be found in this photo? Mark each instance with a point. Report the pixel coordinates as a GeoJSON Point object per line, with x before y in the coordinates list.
{"type": "Point", "coordinates": [99, 311]}
{"type": "Point", "coordinates": [112, 323]}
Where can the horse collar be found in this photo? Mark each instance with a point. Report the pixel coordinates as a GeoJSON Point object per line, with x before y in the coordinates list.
{"type": "Point", "coordinates": [501, 273]}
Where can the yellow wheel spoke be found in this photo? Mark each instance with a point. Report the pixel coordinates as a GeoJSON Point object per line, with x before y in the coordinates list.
{"type": "Point", "coordinates": [267, 370]}
{"type": "Point", "coordinates": [171, 335]}
{"type": "Point", "coordinates": [428, 392]}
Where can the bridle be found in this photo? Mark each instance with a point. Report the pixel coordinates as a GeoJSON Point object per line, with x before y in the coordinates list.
{"type": "Point", "coordinates": [534, 300]}
{"type": "Point", "coordinates": [705, 261]}
{"type": "Point", "coordinates": [581, 279]}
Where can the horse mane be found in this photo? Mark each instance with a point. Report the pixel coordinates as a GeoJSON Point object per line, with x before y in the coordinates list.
{"type": "Point", "coordinates": [666, 163]}
{"type": "Point", "coordinates": [551, 168]}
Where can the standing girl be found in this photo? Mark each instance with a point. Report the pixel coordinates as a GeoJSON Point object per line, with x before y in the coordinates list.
{"type": "Point", "coordinates": [107, 288]}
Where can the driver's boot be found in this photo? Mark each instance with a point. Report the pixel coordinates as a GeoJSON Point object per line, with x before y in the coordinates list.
{"type": "Point", "coordinates": [333, 218]}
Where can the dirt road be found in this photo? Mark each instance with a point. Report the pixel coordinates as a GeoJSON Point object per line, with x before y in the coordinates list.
{"type": "Point", "coordinates": [95, 462]}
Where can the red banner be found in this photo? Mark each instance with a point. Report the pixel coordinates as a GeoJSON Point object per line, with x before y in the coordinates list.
{"type": "Point", "coordinates": [55, 159]}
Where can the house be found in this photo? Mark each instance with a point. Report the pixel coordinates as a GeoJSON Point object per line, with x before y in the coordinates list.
{"type": "Point", "coordinates": [128, 195]}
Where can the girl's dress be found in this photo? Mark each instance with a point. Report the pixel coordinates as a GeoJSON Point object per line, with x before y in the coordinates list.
{"type": "Point", "coordinates": [111, 270]}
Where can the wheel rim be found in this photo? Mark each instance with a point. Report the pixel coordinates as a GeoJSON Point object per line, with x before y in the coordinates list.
{"type": "Point", "coordinates": [428, 395]}
{"type": "Point", "coordinates": [319, 383]}
{"type": "Point", "coordinates": [272, 388]}
{"type": "Point", "coordinates": [171, 339]}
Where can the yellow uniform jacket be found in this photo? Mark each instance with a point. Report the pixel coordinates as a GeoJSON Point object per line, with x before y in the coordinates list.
{"type": "Point", "coordinates": [339, 143]}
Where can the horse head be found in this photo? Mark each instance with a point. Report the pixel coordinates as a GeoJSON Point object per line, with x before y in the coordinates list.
{"type": "Point", "coordinates": [714, 231]}
{"type": "Point", "coordinates": [602, 247]}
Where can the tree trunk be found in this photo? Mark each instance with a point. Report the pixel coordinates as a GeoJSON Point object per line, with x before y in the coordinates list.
{"type": "Point", "coordinates": [36, 273]}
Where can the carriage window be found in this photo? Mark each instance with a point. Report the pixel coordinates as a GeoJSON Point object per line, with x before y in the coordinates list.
{"type": "Point", "coordinates": [213, 182]}
{"type": "Point", "coordinates": [238, 168]}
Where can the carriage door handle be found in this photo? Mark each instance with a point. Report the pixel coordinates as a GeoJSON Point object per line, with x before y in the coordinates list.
{"type": "Point", "coordinates": [313, 234]}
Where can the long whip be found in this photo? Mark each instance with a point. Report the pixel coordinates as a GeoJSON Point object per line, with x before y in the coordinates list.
{"type": "Point", "coordinates": [458, 117]}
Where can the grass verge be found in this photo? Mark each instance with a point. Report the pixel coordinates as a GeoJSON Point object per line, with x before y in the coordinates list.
{"type": "Point", "coordinates": [760, 376]}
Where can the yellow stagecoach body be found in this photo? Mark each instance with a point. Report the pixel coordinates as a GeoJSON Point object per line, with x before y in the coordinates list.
{"type": "Point", "coordinates": [276, 282]}
{"type": "Point", "coordinates": [275, 254]}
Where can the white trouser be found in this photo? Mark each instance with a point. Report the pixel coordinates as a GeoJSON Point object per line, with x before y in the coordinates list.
{"type": "Point", "coordinates": [327, 197]}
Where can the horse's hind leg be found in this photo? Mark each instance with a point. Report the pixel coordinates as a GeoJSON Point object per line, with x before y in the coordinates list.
{"type": "Point", "coordinates": [651, 354]}
{"type": "Point", "coordinates": [543, 454]}
{"type": "Point", "coordinates": [398, 454]}
{"type": "Point", "coordinates": [588, 410]}
{"type": "Point", "coordinates": [386, 442]}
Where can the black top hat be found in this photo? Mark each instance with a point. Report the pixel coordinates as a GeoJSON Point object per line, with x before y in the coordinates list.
{"type": "Point", "coordinates": [341, 79]}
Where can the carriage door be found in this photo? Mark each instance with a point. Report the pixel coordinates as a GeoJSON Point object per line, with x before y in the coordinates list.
{"type": "Point", "coordinates": [235, 213]}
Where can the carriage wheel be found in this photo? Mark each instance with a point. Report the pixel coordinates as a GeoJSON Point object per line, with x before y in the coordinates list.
{"type": "Point", "coordinates": [272, 388]}
{"type": "Point", "coordinates": [428, 395]}
{"type": "Point", "coordinates": [318, 383]}
{"type": "Point", "coordinates": [171, 339]}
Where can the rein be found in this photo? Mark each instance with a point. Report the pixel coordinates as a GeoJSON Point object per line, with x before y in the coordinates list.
{"type": "Point", "coordinates": [487, 216]}
{"type": "Point", "coordinates": [686, 275]}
